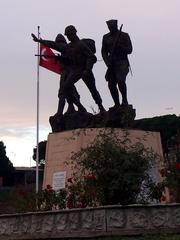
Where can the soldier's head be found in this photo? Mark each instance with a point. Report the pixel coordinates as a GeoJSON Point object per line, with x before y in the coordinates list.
{"type": "Point", "coordinates": [60, 39]}
{"type": "Point", "coordinates": [70, 32]}
{"type": "Point", "coordinates": [112, 25]}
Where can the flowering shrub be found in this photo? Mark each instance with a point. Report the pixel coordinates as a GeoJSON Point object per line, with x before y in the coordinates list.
{"type": "Point", "coordinates": [120, 168]}
{"type": "Point", "coordinates": [82, 192]}
{"type": "Point", "coordinates": [48, 199]}
{"type": "Point", "coordinates": [79, 193]}
{"type": "Point", "coordinates": [23, 200]}
{"type": "Point", "coordinates": [172, 181]}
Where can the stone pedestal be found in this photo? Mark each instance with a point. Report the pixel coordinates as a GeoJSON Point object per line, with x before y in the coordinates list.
{"type": "Point", "coordinates": [121, 117]}
{"type": "Point", "coordinates": [60, 147]}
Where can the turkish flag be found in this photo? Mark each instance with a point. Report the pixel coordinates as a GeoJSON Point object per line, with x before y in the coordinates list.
{"type": "Point", "coordinates": [50, 63]}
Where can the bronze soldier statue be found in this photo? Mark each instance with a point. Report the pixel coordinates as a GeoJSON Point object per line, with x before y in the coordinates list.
{"type": "Point", "coordinates": [60, 45]}
{"type": "Point", "coordinates": [81, 60]}
{"type": "Point", "coordinates": [116, 45]}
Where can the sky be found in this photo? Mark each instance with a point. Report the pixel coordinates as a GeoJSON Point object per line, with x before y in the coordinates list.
{"type": "Point", "coordinates": [153, 90]}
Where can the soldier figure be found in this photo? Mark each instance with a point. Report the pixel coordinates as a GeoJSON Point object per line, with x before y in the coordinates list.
{"type": "Point", "coordinates": [60, 45]}
{"type": "Point", "coordinates": [116, 45]}
{"type": "Point", "coordinates": [81, 60]}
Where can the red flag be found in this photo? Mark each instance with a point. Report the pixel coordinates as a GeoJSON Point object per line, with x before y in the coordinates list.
{"type": "Point", "coordinates": [49, 63]}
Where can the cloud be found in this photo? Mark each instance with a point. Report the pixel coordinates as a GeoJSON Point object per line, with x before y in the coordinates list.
{"type": "Point", "coordinates": [20, 142]}
{"type": "Point", "coordinates": [26, 133]}
{"type": "Point", "coordinates": [16, 132]}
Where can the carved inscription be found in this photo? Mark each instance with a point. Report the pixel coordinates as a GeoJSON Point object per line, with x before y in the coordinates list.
{"type": "Point", "coordinates": [73, 221]}
{"type": "Point", "coordinates": [99, 219]}
{"type": "Point", "coordinates": [87, 220]}
{"type": "Point", "coordinates": [61, 222]}
{"type": "Point", "coordinates": [4, 226]}
{"type": "Point", "coordinates": [116, 218]}
{"type": "Point", "coordinates": [176, 217]}
{"type": "Point", "coordinates": [159, 217]}
{"type": "Point", "coordinates": [138, 219]}
{"type": "Point", "coordinates": [36, 225]}
{"type": "Point", "coordinates": [48, 222]}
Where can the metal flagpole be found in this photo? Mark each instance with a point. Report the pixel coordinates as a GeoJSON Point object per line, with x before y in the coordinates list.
{"type": "Point", "coordinates": [37, 127]}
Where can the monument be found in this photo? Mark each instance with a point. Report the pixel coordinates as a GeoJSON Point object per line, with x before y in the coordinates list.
{"type": "Point", "coordinates": [76, 128]}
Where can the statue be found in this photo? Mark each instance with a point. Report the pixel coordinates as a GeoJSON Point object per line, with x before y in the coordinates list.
{"type": "Point", "coordinates": [60, 45]}
{"type": "Point", "coordinates": [77, 60]}
{"type": "Point", "coordinates": [82, 60]}
{"type": "Point", "coordinates": [116, 45]}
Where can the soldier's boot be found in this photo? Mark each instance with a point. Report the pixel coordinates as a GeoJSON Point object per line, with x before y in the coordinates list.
{"type": "Point", "coordinates": [124, 102]}
{"type": "Point", "coordinates": [81, 108]}
{"type": "Point", "coordinates": [101, 108]}
{"type": "Point", "coordinates": [70, 109]}
{"type": "Point", "coordinates": [61, 105]}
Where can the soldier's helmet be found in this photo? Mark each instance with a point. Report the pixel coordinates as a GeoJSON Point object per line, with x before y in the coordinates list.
{"type": "Point", "coordinates": [60, 38]}
{"type": "Point", "coordinates": [70, 30]}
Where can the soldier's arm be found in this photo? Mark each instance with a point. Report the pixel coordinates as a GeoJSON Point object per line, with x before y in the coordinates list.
{"type": "Point", "coordinates": [60, 47]}
{"type": "Point", "coordinates": [51, 44]}
{"type": "Point", "coordinates": [104, 52]}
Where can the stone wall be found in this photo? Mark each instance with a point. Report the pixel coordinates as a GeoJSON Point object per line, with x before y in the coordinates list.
{"type": "Point", "coordinates": [91, 222]}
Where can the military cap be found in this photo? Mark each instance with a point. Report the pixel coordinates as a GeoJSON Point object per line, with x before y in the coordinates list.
{"type": "Point", "coordinates": [70, 29]}
{"type": "Point", "coordinates": [111, 22]}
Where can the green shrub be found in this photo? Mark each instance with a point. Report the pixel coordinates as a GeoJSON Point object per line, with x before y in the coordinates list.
{"type": "Point", "coordinates": [121, 168]}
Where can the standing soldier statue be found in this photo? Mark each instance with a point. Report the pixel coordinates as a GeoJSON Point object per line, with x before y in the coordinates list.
{"type": "Point", "coordinates": [82, 60]}
{"type": "Point", "coordinates": [116, 45]}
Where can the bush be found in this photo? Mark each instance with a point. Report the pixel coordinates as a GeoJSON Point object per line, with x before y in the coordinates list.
{"type": "Point", "coordinates": [23, 200]}
{"type": "Point", "coordinates": [48, 199]}
{"type": "Point", "coordinates": [120, 168]}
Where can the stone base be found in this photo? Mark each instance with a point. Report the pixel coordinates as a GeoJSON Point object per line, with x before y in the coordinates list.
{"type": "Point", "coordinates": [60, 147]}
{"type": "Point", "coordinates": [70, 121]}
{"type": "Point", "coordinates": [121, 117]}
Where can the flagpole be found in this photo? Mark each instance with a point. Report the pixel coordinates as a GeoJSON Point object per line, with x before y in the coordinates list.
{"type": "Point", "coordinates": [37, 126]}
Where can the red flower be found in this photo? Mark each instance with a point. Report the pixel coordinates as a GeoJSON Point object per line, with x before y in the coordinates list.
{"type": "Point", "coordinates": [69, 203]}
{"type": "Point", "coordinates": [50, 190]}
{"type": "Point", "coordinates": [177, 165]}
{"type": "Point", "coordinates": [171, 193]}
{"type": "Point", "coordinates": [82, 205]}
{"type": "Point", "coordinates": [22, 190]}
{"type": "Point", "coordinates": [69, 179]}
{"type": "Point", "coordinates": [162, 172]}
{"type": "Point", "coordinates": [48, 187]}
{"type": "Point", "coordinates": [163, 198]}
{"type": "Point", "coordinates": [89, 177]}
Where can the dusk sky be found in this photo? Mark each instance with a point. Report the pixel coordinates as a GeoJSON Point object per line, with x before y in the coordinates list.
{"type": "Point", "coordinates": [153, 90]}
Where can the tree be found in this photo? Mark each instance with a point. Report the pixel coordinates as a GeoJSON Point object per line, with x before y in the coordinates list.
{"type": "Point", "coordinates": [167, 125]}
{"type": "Point", "coordinates": [42, 153]}
{"type": "Point", "coordinates": [121, 168]}
{"type": "Point", "coordinates": [6, 166]}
